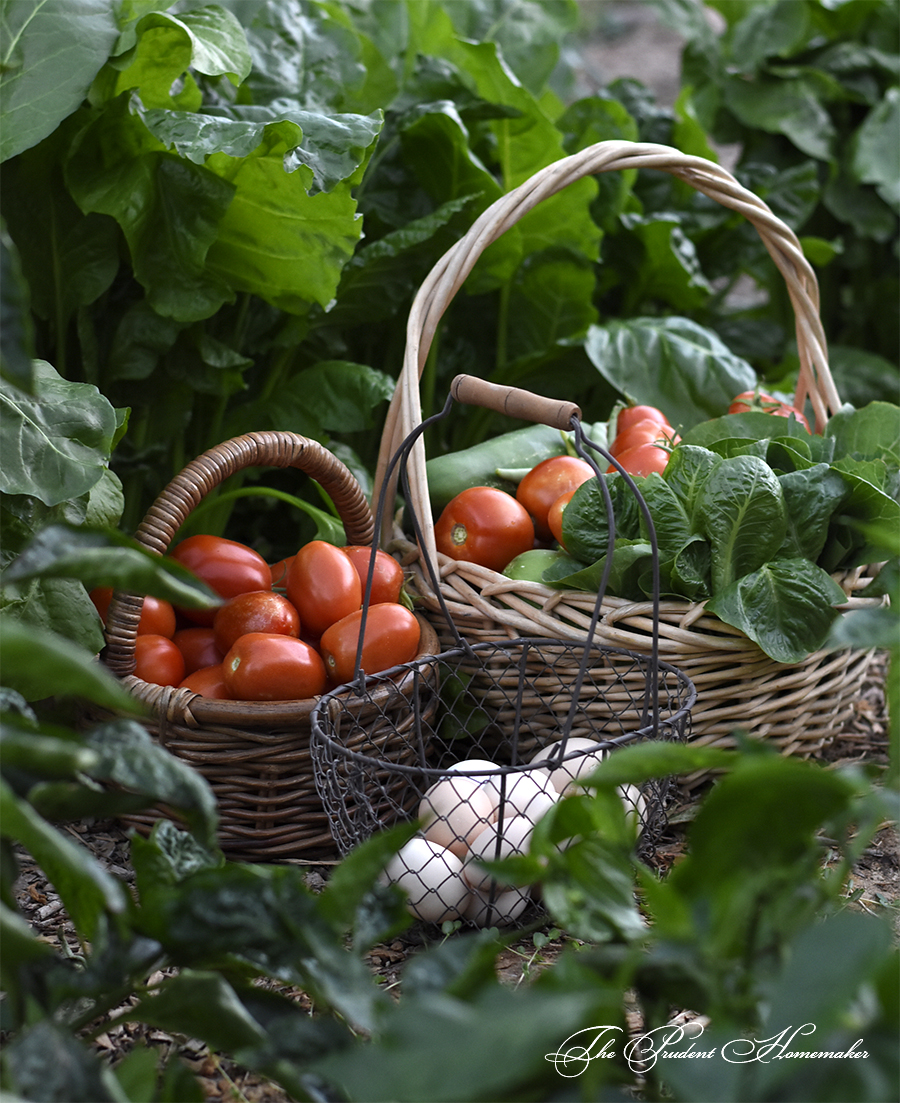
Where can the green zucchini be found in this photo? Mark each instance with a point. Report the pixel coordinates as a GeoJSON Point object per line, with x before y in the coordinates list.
{"type": "Point", "coordinates": [481, 464]}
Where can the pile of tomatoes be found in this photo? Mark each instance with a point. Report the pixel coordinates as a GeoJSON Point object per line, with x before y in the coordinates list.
{"type": "Point", "coordinates": [263, 644]}
{"type": "Point", "coordinates": [490, 527]}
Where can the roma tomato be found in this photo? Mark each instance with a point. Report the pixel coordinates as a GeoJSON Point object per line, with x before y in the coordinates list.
{"type": "Point", "coordinates": [766, 404]}
{"type": "Point", "coordinates": [266, 666]}
{"type": "Point", "coordinates": [225, 566]}
{"type": "Point", "coordinates": [485, 526]}
{"type": "Point", "coordinates": [208, 681]}
{"type": "Point", "coordinates": [643, 459]}
{"type": "Point", "coordinates": [545, 482]}
{"type": "Point", "coordinates": [391, 636]}
{"type": "Point", "coordinates": [631, 415]}
{"type": "Point", "coordinates": [642, 432]}
{"type": "Point", "coordinates": [279, 572]}
{"type": "Point", "coordinates": [323, 586]}
{"type": "Point", "coordinates": [554, 517]}
{"type": "Point", "coordinates": [158, 660]}
{"type": "Point", "coordinates": [198, 646]}
{"type": "Point", "coordinates": [387, 578]}
{"type": "Point", "coordinates": [157, 615]}
{"type": "Point", "coordinates": [257, 611]}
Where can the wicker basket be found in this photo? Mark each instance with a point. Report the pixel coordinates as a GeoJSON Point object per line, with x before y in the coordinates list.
{"type": "Point", "coordinates": [255, 755]}
{"type": "Point", "coordinates": [795, 706]}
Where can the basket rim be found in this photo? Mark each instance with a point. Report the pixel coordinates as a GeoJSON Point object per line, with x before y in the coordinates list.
{"type": "Point", "coordinates": [326, 703]}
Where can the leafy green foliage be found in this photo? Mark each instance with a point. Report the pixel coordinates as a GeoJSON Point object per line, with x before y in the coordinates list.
{"type": "Point", "coordinates": [752, 522]}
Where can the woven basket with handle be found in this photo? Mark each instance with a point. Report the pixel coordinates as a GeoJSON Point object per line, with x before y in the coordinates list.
{"type": "Point", "coordinates": [795, 706]}
{"type": "Point", "coordinates": [255, 755]}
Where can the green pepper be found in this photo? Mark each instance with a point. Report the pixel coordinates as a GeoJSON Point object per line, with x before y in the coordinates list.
{"type": "Point", "coordinates": [480, 465]}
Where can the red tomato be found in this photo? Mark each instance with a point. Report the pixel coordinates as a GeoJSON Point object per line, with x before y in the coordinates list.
{"type": "Point", "coordinates": [157, 615]}
{"type": "Point", "coordinates": [387, 578]}
{"type": "Point", "coordinates": [198, 646]}
{"type": "Point", "coordinates": [226, 566]}
{"type": "Point", "coordinates": [554, 516]}
{"type": "Point", "coordinates": [766, 404]}
{"type": "Point", "coordinates": [257, 611]}
{"type": "Point", "coordinates": [642, 432]}
{"type": "Point", "coordinates": [279, 572]}
{"type": "Point", "coordinates": [391, 637]}
{"type": "Point", "coordinates": [158, 660]}
{"type": "Point", "coordinates": [633, 414]}
{"type": "Point", "coordinates": [208, 681]}
{"type": "Point", "coordinates": [545, 482]}
{"type": "Point", "coordinates": [323, 586]}
{"type": "Point", "coordinates": [485, 526]}
{"type": "Point", "coordinates": [643, 459]}
{"type": "Point", "coordinates": [266, 666]}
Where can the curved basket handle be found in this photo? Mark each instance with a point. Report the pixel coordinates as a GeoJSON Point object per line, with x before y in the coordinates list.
{"type": "Point", "coordinates": [185, 492]}
{"type": "Point", "coordinates": [440, 286]}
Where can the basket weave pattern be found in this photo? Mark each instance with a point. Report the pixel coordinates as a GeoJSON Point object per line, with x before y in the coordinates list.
{"type": "Point", "coordinates": [795, 706]}
{"type": "Point", "coordinates": [255, 755]}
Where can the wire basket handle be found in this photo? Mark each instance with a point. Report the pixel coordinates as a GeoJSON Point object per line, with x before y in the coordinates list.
{"type": "Point", "coordinates": [449, 273]}
{"type": "Point", "coordinates": [185, 492]}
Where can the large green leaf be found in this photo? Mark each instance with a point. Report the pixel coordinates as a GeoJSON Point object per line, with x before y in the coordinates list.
{"type": "Point", "coordinates": [52, 49]}
{"type": "Point", "coordinates": [47, 1061]}
{"type": "Point", "coordinates": [810, 498]}
{"type": "Point", "coordinates": [870, 433]}
{"type": "Point", "coordinates": [131, 759]}
{"type": "Point", "coordinates": [277, 240]}
{"type": "Point", "coordinates": [201, 1004]}
{"type": "Point", "coordinates": [740, 511]}
{"type": "Point", "coordinates": [421, 1047]}
{"type": "Point", "coordinates": [169, 209]}
{"type": "Point", "coordinates": [208, 39]}
{"type": "Point", "coordinates": [786, 606]}
{"type": "Point", "coordinates": [55, 443]}
{"type": "Point", "coordinates": [790, 107]}
{"type": "Point", "coordinates": [16, 326]}
{"type": "Point", "coordinates": [876, 156]}
{"type": "Point", "coordinates": [106, 557]}
{"type": "Point", "coordinates": [672, 363]}
{"type": "Point", "coordinates": [87, 890]}
{"type": "Point", "coordinates": [38, 664]}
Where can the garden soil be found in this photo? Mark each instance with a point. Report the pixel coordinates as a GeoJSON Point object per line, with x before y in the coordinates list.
{"type": "Point", "coordinates": [628, 41]}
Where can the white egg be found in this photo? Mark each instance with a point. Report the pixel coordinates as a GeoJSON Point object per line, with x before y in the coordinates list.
{"type": "Point", "coordinates": [585, 754]}
{"type": "Point", "coordinates": [524, 791]}
{"type": "Point", "coordinates": [635, 807]}
{"type": "Point", "coordinates": [502, 911]}
{"type": "Point", "coordinates": [431, 877]}
{"type": "Point", "coordinates": [468, 765]}
{"type": "Point", "coordinates": [495, 842]}
{"type": "Point", "coordinates": [454, 810]}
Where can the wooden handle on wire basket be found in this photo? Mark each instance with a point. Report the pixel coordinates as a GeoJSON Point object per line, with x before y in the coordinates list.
{"type": "Point", "coordinates": [185, 492]}
{"type": "Point", "coordinates": [514, 402]}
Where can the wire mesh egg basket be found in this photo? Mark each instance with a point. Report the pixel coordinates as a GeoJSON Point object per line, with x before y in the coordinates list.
{"type": "Point", "coordinates": [496, 733]}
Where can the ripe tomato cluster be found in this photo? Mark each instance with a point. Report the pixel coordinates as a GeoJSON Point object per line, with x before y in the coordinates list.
{"type": "Point", "coordinates": [643, 440]}
{"type": "Point", "coordinates": [766, 404]}
{"type": "Point", "coordinates": [265, 645]}
{"type": "Point", "coordinates": [487, 526]}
